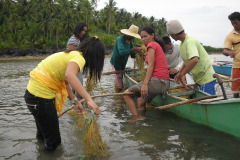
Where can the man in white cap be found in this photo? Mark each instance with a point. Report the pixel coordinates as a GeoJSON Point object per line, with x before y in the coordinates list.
{"type": "Point", "coordinates": [195, 58]}
{"type": "Point", "coordinates": [123, 47]}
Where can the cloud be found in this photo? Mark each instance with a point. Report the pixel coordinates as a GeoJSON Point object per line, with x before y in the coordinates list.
{"type": "Point", "coordinates": [205, 20]}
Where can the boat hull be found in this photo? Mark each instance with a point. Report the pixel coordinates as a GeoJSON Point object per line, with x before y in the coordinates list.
{"type": "Point", "coordinates": [222, 115]}
{"type": "Point", "coordinates": [225, 69]}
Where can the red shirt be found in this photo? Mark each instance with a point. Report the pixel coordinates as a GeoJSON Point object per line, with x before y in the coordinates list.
{"type": "Point", "coordinates": [160, 70]}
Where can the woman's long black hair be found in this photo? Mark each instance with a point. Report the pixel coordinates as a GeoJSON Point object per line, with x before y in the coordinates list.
{"type": "Point", "coordinates": [79, 28]}
{"type": "Point", "coordinates": [94, 53]}
{"type": "Point", "coordinates": [150, 31]}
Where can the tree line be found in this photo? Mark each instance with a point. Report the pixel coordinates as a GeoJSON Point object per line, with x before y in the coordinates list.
{"type": "Point", "coordinates": [49, 23]}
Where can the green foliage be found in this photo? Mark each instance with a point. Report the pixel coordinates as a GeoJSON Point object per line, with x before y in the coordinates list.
{"type": "Point", "coordinates": [108, 40]}
{"type": "Point", "coordinates": [48, 24]}
{"type": "Point", "coordinates": [212, 49]}
{"type": "Point", "coordinates": [137, 42]}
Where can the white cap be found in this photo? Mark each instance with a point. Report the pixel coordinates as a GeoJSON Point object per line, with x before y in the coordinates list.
{"type": "Point", "coordinates": [174, 27]}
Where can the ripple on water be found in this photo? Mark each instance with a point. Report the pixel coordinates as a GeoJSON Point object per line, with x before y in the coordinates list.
{"type": "Point", "coordinates": [160, 136]}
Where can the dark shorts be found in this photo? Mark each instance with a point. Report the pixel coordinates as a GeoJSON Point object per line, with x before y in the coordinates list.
{"type": "Point", "coordinates": [155, 86]}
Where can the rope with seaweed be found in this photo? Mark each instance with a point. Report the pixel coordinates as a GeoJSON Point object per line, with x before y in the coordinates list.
{"type": "Point", "coordinates": [101, 95]}
{"type": "Point", "coordinates": [89, 130]}
{"type": "Point", "coordinates": [91, 135]}
{"type": "Point", "coordinates": [140, 62]}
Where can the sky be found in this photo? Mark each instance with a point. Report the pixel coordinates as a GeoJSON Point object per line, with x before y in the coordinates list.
{"type": "Point", "coordinates": [206, 20]}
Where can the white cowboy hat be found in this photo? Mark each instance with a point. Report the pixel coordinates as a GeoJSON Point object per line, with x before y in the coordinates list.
{"type": "Point", "coordinates": [132, 31]}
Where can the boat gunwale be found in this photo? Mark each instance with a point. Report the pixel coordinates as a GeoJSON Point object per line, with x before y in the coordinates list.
{"type": "Point", "coordinates": [171, 95]}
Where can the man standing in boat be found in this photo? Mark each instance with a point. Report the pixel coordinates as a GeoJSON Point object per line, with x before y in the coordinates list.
{"type": "Point", "coordinates": [231, 47]}
{"type": "Point", "coordinates": [195, 58]}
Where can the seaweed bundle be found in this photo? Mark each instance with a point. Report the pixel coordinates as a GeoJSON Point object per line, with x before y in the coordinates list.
{"type": "Point", "coordinates": [90, 133]}
{"type": "Point", "coordinates": [140, 62]}
{"type": "Point", "coordinates": [91, 84]}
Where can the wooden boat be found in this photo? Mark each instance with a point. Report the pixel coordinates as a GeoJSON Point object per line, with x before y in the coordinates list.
{"type": "Point", "coordinates": [223, 67]}
{"type": "Point", "coordinates": [218, 113]}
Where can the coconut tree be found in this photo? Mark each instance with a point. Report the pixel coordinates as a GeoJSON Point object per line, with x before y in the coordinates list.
{"type": "Point", "coordinates": [162, 30]}
{"type": "Point", "coordinates": [68, 23]}
{"type": "Point", "coordinates": [111, 10]}
{"type": "Point", "coordinates": [8, 5]}
{"type": "Point", "coordinates": [95, 19]}
{"type": "Point", "coordinates": [55, 27]}
{"type": "Point", "coordinates": [87, 9]}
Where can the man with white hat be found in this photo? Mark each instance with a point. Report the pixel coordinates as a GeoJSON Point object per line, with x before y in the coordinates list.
{"type": "Point", "coordinates": [195, 58]}
{"type": "Point", "coordinates": [123, 47]}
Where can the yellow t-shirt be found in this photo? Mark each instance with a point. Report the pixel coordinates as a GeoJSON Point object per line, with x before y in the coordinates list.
{"type": "Point", "coordinates": [232, 41]}
{"type": "Point", "coordinates": [55, 64]}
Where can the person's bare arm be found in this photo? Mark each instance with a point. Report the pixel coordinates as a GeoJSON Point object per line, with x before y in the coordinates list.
{"type": "Point", "coordinates": [229, 52]}
{"type": "Point", "coordinates": [72, 79]}
{"type": "Point", "coordinates": [72, 47]}
{"type": "Point", "coordinates": [190, 65]}
{"type": "Point", "coordinates": [151, 62]}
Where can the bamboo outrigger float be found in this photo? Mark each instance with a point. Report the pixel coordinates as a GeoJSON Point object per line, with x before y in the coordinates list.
{"type": "Point", "coordinates": [215, 111]}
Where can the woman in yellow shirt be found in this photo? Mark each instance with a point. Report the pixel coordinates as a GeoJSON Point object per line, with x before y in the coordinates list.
{"type": "Point", "coordinates": [51, 82]}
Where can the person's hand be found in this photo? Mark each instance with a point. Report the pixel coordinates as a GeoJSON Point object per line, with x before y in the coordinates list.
{"type": "Point", "coordinates": [136, 49]}
{"type": "Point", "coordinates": [144, 90]}
{"type": "Point", "coordinates": [78, 107]}
{"type": "Point", "coordinates": [92, 105]}
{"type": "Point", "coordinates": [232, 54]}
{"type": "Point", "coordinates": [172, 71]}
{"type": "Point", "coordinates": [183, 80]}
{"type": "Point", "coordinates": [177, 78]}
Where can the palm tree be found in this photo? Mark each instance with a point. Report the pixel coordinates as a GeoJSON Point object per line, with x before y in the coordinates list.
{"type": "Point", "coordinates": [44, 22]}
{"type": "Point", "coordinates": [94, 3]}
{"type": "Point", "coordinates": [8, 4]}
{"type": "Point", "coordinates": [55, 27]}
{"type": "Point", "coordinates": [96, 19]}
{"type": "Point", "coordinates": [68, 22]}
{"type": "Point", "coordinates": [161, 29]}
{"type": "Point", "coordinates": [87, 9]}
{"type": "Point", "coordinates": [111, 9]}
{"type": "Point", "coordinates": [79, 15]}
{"type": "Point", "coordinates": [152, 21]}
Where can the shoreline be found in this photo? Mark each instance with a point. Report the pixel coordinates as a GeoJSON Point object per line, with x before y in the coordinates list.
{"type": "Point", "coordinates": [31, 57]}
{"type": "Point", "coordinates": [22, 58]}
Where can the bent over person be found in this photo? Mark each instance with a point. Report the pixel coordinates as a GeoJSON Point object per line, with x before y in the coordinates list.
{"type": "Point", "coordinates": [173, 56]}
{"type": "Point", "coordinates": [51, 82]}
{"type": "Point", "coordinates": [231, 47]}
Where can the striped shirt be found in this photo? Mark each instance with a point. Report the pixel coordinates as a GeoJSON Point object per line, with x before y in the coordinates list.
{"type": "Point", "coordinates": [73, 41]}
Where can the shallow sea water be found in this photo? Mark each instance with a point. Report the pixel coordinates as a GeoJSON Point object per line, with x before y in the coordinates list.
{"type": "Point", "coordinates": [161, 135]}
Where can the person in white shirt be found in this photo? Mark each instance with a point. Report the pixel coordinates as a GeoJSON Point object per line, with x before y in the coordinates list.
{"type": "Point", "coordinates": [173, 56]}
